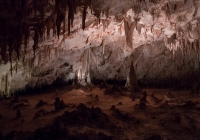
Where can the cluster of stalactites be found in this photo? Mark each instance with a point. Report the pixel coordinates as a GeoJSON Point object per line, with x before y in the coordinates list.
{"type": "Point", "coordinates": [20, 17]}
{"type": "Point", "coordinates": [187, 40]}
{"type": "Point", "coordinates": [16, 20]}
{"type": "Point", "coordinates": [170, 42]}
{"type": "Point", "coordinates": [71, 5]}
{"type": "Point", "coordinates": [129, 27]}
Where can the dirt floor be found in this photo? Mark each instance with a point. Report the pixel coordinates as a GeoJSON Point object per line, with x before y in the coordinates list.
{"type": "Point", "coordinates": [108, 112]}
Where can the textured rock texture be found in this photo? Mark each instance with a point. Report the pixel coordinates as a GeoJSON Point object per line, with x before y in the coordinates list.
{"type": "Point", "coordinates": [160, 37]}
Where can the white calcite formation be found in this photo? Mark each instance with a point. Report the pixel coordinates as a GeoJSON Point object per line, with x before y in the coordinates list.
{"type": "Point", "coordinates": [160, 37]}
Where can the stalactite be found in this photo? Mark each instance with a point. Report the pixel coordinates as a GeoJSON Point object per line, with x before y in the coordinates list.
{"type": "Point", "coordinates": [16, 65]}
{"type": "Point", "coordinates": [48, 28]}
{"type": "Point", "coordinates": [19, 39]}
{"type": "Point", "coordinates": [103, 46]}
{"type": "Point", "coordinates": [189, 47]}
{"type": "Point", "coordinates": [3, 51]}
{"type": "Point", "coordinates": [36, 38]}
{"type": "Point", "coordinates": [185, 1]}
{"type": "Point", "coordinates": [107, 12]}
{"type": "Point", "coordinates": [60, 15]}
{"type": "Point", "coordinates": [26, 36]}
{"type": "Point", "coordinates": [97, 13]}
{"type": "Point", "coordinates": [64, 25]}
{"type": "Point", "coordinates": [35, 7]}
{"type": "Point", "coordinates": [10, 56]}
{"type": "Point", "coordinates": [129, 32]}
{"type": "Point", "coordinates": [40, 30]}
{"type": "Point", "coordinates": [71, 10]}
{"type": "Point", "coordinates": [54, 25]}
{"type": "Point", "coordinates": [41, 8]}
{"type": "Point", "coordinates": [139, 27]}
{"type": "Point", "coordinates": [197, 45]}
{"type": "Point", "coordinates": [192, 46]}
{"type": "Point", "coordinates": [106, 23]}
{"type": "Point", "coordinates": [166, 9]}
{"type": "Point", "coordinates": [34, 11]}
{"type": "Point", "coordinates": [183, 44]}
{"type": "Point", "coordinates": [84, 15]}
{"type": "Point", "coordinates": [137, 8]}
{"type": "Point", "coordinates": [49, 50]}
{"type": "Point", "coordinates": [60, 18]}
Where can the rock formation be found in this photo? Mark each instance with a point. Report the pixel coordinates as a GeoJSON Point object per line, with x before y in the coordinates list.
{"type": "Point", "coordinates": [163, 37]}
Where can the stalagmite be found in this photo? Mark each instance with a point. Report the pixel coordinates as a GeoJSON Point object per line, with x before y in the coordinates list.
{"type": "Point", "coordinates": [133, 80]}
{"type": "Point", "coordinates": [88, 67]}
{"type": "Point", "coordinates": [127, 85]}
{"type": "Point", "coordinates": [84, 62]}
{"type": "Point", "coordinates": [84, 68]}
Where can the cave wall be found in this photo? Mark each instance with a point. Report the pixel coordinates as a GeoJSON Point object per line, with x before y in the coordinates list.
{"type": "Point", "coordinates": [161, 38]}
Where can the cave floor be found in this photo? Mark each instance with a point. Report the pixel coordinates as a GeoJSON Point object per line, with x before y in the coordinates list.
{"type": "Point", "coordinates": [166, 113]}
